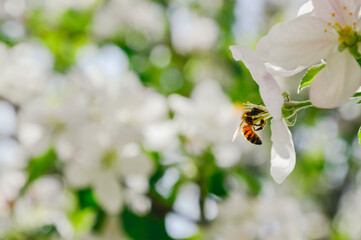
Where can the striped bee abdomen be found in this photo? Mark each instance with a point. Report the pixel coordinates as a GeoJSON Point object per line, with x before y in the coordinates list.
{"type": "Point", "coordinates": [250, 135]}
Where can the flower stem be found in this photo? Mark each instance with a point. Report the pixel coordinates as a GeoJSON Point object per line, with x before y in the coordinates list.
{"type": "Point", "coordinates": [289, 109]}
{"type": "Point", "coordinates": [298, 105]}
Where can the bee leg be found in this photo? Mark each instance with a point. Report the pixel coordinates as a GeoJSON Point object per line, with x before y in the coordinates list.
{"type": "Point", "coordinates": [260, 128]}
{"type": "Point", "coordinates": [261, 125]}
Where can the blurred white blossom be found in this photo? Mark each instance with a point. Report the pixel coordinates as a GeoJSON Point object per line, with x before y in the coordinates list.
{"type": "Point", "coordinates": [24, 71]}
{"type": "Point", "coordinates": [191, 32]}
{"type": "Point", "coordinates": [207, 119]}
{"type": "Point", "coordinates": [44, 203]}
{"type": "Point", "coordinates": [271, 215]}
{"type": "Point", "coordinates": [348, 217]}
{"type": "Point", "coordinates": [142, 16]}
{"type": "Point", "coordinates": [111, 231]}
{"type": "Point", "coordinates": [95, 123]}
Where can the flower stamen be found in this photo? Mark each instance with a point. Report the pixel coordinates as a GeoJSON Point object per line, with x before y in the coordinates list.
{"type": "Point", "coordinates": [109, 159]}
{"type": "Point", "coordinates": [347, 35]}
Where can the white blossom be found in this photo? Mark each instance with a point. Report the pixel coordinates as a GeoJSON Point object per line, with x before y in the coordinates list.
{"type": "Point", "coordinates": [313, 36]}
{"type": "Point", "coordinates": [283, 156]}
{"type": "Point", "coordinates": [191, 32]}
{"type": "Point", "coordinates": [206, 119]}
{"type": "Point", "coordinates": [269, 216]}
{"type": "Point", "coordinates": [24, 71]}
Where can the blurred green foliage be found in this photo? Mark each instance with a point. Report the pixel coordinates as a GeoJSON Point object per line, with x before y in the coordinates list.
{"type": "Point", "coordinates": [63, 38]}
{"type": "Point", "coordinates": [41, 165]}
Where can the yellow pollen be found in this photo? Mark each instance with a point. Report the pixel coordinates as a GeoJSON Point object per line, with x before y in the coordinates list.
{"type": "Point", "coordinates": [333, 14]}
{"type": "Point", "coordinates": [238, 105]}
{"type": "Point", "coordinates": [325, 30]}
{"type": "Point", "coordinates": [344, 7]}
{"type": "Point", "coordinates": [350, 14]}
{"type": "Point", "coordinates": [329, 24]}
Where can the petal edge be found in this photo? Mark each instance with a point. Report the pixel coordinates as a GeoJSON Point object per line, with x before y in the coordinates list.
{"type": "Point", "coordinates": [283, 155]}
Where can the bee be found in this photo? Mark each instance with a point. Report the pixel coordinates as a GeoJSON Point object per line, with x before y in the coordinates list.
{"type": "Point", "coordinates": [252, 121]}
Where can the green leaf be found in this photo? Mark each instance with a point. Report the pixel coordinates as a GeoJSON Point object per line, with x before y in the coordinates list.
{"type": "Point", "coordinates": [86, 199]}
{"type": "Point", "coordinates": [252, 181]}
{"type": "Point", "coordinates": [217, 184]}
{"type": "Point", "coordinates": [82, 220]}
{"type": "Point", "coordinates": [87, 202]}
{"type": "Point", "coordinates": [358, 94]}
{"type": "Point", "coordinates": [141, 227]}
{"type": "Point", "coordinates": [310, 75]}
{"type": "Point", "coordinates": [359, 135]}
{"type": "Point", "coordinates": [39, 166]}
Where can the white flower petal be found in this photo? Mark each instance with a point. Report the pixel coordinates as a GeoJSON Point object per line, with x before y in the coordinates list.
{"type": "Point", "coordinates": [272, 96]}
{"type": "Point", "coordinates": [108, 192]}
{"type": "Point", "coordinates": [8, 120]}
{"type": "Point", "coordinates": [154, 108]}
{"type": "Point", "coordinates": [133, 161]}
{"type": "Point", "coordinates": [340, 8]}
{"type": "Point", "coordinates": [299, 42]}
{"type": "Point", "coordinates": [337, 82]}
{"type": "Point", "coordinates": [305, 8]}
{"type": "Point", "coordinates": [283, 156]}
{"type": "Point", "coordinates": [262, 50]}
{"type": "Point", "coordinates": [250, 59]}
{"type": "Point", "coordinates": [181, 105]}
{"type": "Point", "coordinates": [77, 175]}
{"type": "Point", "coordinates": [277, 71]}
{"type": "Point", "coordinates": [268, 87]}
{"type": "Point", "coordinates": [325, 9]}
{"type": "Point", "coordinates": [208, 94]}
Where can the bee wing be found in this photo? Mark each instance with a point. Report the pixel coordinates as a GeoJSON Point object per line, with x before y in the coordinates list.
{"type": "Point", "coordinates": [237, 132]}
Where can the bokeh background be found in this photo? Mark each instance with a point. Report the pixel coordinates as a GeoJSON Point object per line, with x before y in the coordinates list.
{"type": "Point", "coordinates": [116, 120]}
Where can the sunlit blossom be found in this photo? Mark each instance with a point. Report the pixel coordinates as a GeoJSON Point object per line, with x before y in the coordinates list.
{"type": "Point", "coordinates": [283, 156]}
{"type": "Point", "coordinates": [314, 36]}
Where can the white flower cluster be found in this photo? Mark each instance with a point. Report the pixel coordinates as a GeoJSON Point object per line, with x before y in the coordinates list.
{"type": "Point", "coordinates": [93, 117]}
{"type": "Point", "coordinates": [97, 117]}
{"type": "Point", "coordinates": [255, 219]}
